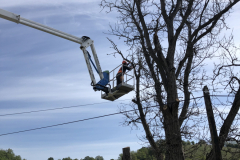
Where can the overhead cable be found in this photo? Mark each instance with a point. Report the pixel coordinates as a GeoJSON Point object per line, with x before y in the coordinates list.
{"type": "Point", "coordinates": [51, 109]}
{"type": "Point", "coordinates": [82, 120]}
{"type": "Point", "coordinates": [91, 118]}
{"type": "Point", "coordinates": [67, 122]}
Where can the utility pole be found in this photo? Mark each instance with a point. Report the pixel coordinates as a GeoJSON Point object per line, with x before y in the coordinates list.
{"type": "Point", "coordinates": [126, 153]}
{"type": "Point", "coordinates": [212, 125]}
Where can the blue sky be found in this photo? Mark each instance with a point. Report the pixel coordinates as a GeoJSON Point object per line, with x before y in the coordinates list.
{"type": "Point", "coordinates": [40, 71]}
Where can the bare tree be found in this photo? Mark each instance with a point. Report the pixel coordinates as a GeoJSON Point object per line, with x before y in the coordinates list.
{"type": "Point", "coordinates": [168, 44]}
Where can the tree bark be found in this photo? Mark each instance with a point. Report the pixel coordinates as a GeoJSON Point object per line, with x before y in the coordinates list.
{"type": "Point", "coordinates": [227, 123]}
{"type": "Point", "coordinates": [183, 25]}
{"type": "Point", "coordinates": [212, 125]}
{"type": "Point", "coordinates": [173, 140]}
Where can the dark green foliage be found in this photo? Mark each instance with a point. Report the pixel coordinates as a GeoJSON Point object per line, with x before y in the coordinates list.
{"type": "Point", "coordinates": [191, 150]}
{"type": "Point", "coordinates": [232, 145]}
{"type": "Point", "coordinates": [145, 153]}
{"type": "Point", "coordinates": [8, 155]}
{"type": "Point", "coordinates": [201, 141]}
{"type": "Point", "coordinates": [99, 158]}
{"type": "Point", "coordinates": [88, 158]}
{"type": "Point", "coordinates": [120, 156]}
{"type": "Point", "coordinates": [186, 143]}
{"type": "Point", "coordinates": [133, 155]}
{"type": "Point", "coordinates": [68, 158]}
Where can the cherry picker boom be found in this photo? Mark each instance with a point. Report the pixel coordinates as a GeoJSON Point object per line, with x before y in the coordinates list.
{"type": "Point", "coordinates": [85, 42]}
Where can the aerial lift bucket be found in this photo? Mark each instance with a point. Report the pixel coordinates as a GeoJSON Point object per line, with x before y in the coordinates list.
{"type": "Point", "coordinates": [117, 91]}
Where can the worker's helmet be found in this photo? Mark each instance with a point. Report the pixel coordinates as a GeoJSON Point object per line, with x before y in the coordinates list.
{"type": "Point", "coordinates": [124, 62]}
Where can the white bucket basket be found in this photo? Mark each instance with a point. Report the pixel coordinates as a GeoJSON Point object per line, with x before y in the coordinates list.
{"type": "Point", "coordinates": [117, 91]}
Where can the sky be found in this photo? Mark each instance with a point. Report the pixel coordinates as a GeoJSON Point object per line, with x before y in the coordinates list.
{"type": "Point", "coordinates": [41, 71]}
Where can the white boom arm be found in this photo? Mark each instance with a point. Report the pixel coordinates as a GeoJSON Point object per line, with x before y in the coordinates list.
{"type": "Point", "coordinates": [83, 41]}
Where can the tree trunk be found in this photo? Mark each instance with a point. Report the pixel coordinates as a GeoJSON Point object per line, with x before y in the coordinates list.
{"type": "Point", "coordinates": [173, 140]}
{"type": "Point", "coordinates": [217, 155]}
{"type": "Point", "coordinates": [160, 157]}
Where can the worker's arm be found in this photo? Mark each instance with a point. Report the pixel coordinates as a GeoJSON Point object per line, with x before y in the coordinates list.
{"type": "Point", "coordinates": [126, 67]}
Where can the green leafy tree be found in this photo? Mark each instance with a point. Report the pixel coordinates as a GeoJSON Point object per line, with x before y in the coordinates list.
{"type": "Point", "coordinates": [188, 142]}
{"type": "Point", "coordinates": [50, 158]}
{"type": "Point", "coordinates": [120, 156]}
{"type": "Point", "coordinates": [133, 155]}
{"type": "Point", "coordinates": [99, 158]}
{"type": "Point", "coordinates": [88, 158]}
{"type": "Point", "coordinates": [145, 153]}
{"type": "Point", "coordinates": [142, 153]}
{"type": "Point", "coordinates": [184, 143]}
{"type": "Point", "coordinates": [201, 141]}
{"type": "Point", "coordinates": [8, 155]}
{"type": "Point", "coordinates": [68, 158]}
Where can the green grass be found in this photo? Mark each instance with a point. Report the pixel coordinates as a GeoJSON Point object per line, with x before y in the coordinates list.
{"type": "Point", "coordinates": [199, 152]}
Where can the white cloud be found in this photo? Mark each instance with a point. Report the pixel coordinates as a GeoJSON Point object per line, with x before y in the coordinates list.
{"type": "Point", "coordinates": [45, 9]}
{"type": "Point", "coordinates": [14, 3]}
{"type": "Point", "coordinates": [39, 72]}
{"type": "Point", "coordinates": [56, 87]}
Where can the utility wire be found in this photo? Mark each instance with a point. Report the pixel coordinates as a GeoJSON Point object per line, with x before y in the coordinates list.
{"type": "Point", "coordinates": [92, 118]}
{"type": "Point", "coordinates": [223, 95]}
{"type": "Point", "coordinates": [70, 122]}
{"type": "Point", "coordinates": [83, 119]}
{"type": "Point", "coordinates": [52, 109]}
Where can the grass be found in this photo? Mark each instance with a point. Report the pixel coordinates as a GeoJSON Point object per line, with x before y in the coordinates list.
{"type": "Point", "coordinates": [199, 152]}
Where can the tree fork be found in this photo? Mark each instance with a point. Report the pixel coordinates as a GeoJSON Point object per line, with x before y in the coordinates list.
{"type": "Point", "coordinates": [215, 140]}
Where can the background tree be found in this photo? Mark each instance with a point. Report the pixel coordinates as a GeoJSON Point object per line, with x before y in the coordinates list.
{"type": "Point", "coordinates": [99, 158]}
{"type": "Point", "coordinates": [120, 156]}
{"type": "Point", "coordinates": [88, 158]}
{"type": "Point", "coordinates": [191, 151]}
{"type": "Point", "coordinates": [9, 155]}
{"type": "Point", "coordinates": [50, 158]}
{"type": "Point", "coordinates": [168, 42]}
{"type": "Point", "coordinates": [68, 158]}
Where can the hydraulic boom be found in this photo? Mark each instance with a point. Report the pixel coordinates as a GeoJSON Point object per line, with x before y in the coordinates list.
{"type": "Point", "coordinates": [111, 92]}
{"type": "Point", "coordinates": [83, 41]}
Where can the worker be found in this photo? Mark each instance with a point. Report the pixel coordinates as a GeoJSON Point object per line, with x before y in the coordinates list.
{"type": "Point", "coordinates": [122, 71]}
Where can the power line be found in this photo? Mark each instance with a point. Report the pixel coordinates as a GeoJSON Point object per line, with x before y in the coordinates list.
{"type": "Point", "coordinates": [83, 119]}
{"type": "Point", "coordinates": [69, 122]}
{"type": "Point", "coordinates": [93, 118]}
{"type": "Point", "coordinates": [223, 95]}
{"type": "Point", "coordinates": [52, 109]}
